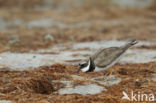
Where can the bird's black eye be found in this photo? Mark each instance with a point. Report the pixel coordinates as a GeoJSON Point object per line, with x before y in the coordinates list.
{"type": "Point", "coordinates": [82, 65]}
{"type": "Point", "coordinates": [79, 64]}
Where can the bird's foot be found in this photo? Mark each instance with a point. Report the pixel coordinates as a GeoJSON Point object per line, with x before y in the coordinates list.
{"type": "Point", "coordinates": [108, 76]}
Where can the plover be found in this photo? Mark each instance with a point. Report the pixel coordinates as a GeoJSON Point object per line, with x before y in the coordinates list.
{"type": "Point", "coordinates": [105, 58]}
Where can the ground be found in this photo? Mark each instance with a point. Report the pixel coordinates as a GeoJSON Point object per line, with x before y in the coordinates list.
{"type": "Point", "coordinates": [24, 29]}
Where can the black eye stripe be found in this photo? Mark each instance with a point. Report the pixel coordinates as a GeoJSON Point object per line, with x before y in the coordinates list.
{"type": "Point", "coordinates": [83, 65]}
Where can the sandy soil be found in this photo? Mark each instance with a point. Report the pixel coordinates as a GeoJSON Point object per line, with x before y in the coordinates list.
{"type": "Point", "coordinates": [38, 86]}
{"type": "Point", "coordinates": [25, 27]}
{"type": "Point", "coordinates": [22, 29]}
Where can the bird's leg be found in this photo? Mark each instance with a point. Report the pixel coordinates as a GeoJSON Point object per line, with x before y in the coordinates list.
{"type": "Point", "coordinates": [110, 72]}
{"type": "Point", "coordinates": [108, 75]}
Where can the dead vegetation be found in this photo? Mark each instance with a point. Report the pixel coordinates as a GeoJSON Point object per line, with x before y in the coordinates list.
{"type": "Point", "coordinates": [96, 22]}
{"type": "Point", "coordinates": [38, 85]}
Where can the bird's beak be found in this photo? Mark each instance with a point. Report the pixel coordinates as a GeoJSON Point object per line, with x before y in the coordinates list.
{"type": "Point", "coordinates": [78, 70]}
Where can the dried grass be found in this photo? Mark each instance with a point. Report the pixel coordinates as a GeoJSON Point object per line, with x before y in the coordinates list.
{"type": "Point", "coordinates": [37, 85]}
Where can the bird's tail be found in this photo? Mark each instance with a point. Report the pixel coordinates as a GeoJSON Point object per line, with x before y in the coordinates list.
{"type": "Point", "coordinates": [130, 43]}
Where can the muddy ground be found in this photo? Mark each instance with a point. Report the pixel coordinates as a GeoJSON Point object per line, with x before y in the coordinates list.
{"type": "Point", "coordinates": [27, 27]}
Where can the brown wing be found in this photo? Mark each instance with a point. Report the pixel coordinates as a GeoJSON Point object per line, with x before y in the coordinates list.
{"type": "Point", "coordinates": [104, 57]}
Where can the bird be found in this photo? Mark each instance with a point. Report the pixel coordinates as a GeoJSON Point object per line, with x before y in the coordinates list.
{"type": "Point", "coordinates": [105, 58]}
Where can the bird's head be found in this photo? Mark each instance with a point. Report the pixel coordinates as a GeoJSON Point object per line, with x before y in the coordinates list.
{"type": "Point", "coordinates": [86, 67]}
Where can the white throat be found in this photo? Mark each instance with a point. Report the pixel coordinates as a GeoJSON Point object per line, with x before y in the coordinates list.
{"type": "Point", "coordinates": [85, 69]}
